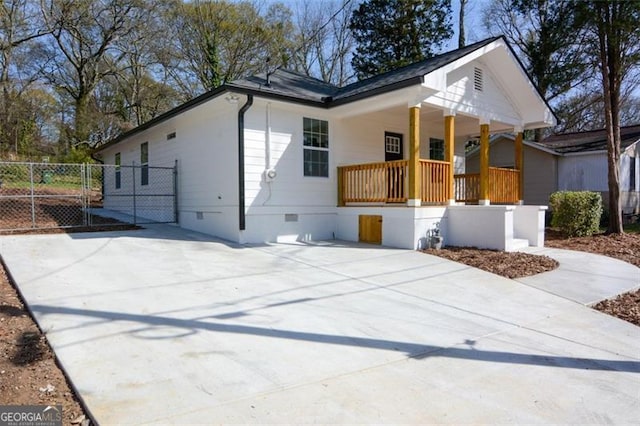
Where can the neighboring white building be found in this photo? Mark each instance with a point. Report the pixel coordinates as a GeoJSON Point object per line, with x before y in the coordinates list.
{"type": "Point", "coordinates": [289, 157]}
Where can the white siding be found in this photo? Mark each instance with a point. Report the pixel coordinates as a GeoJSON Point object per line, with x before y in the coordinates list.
{"type": "Point", "coordinates": [206, 150]}
{"type": "Point", "coordinates": [492, 102]}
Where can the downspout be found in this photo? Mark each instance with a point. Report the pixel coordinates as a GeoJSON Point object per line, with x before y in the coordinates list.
{"type": "Point", "coordinates": [241, 213]}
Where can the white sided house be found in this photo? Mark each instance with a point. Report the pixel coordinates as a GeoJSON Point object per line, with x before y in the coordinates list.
{"type": "Point", "coordinates": [288, 157]}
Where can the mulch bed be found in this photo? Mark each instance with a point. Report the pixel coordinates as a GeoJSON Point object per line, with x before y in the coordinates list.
{"type": "Point", "coordinates": [506, 264]}
{"type": "Point", "coordinates": [626, 307]}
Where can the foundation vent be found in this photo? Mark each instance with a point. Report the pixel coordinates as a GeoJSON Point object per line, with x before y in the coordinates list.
{"type": "Point", "coordinates": [290, 217]}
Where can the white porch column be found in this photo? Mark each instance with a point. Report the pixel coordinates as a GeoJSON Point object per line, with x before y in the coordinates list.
{"type": "Point", "coordinates": [519, 163]}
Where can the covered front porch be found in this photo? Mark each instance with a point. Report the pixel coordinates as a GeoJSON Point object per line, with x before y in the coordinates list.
{"type": "Point", "coordinates": [418, 186]}
{"type": "Point", "coordinates": [419, 181]}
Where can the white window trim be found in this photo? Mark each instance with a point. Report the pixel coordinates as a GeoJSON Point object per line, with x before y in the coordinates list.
{"type": "Point", "coordinates": [317, 148]}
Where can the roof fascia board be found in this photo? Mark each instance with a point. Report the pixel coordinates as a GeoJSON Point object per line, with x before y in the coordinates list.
{"type": "Point", "coordinates": [541, 148]}
{"type": "Point", "coordinates": [413, 81]}
{"type": "Point", "coordinates": [582, 153]}
{"type": "Point", "coordinates": [405, 97]}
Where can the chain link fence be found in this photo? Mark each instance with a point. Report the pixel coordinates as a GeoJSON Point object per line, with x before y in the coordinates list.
{"type": "Point", "coordinates": [49, 195]}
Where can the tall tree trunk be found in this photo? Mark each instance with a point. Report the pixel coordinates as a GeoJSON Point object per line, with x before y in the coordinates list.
{"type": "Point", "coordinates": [610, 69]}
{"type": "Point", "coordinates": [461, 37]}
{"type": "Point", "coordinates": [81, 120]}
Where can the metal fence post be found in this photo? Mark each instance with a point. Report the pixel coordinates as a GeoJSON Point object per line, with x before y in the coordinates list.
{"type": "Point", "coordinates": [33, 201]}
{"type": "Point", "coordinates": [133, 171]}
{"type": "Point", "coordinates": [175, 191]}
{"type": "Point", "coordinates": [83, 184]}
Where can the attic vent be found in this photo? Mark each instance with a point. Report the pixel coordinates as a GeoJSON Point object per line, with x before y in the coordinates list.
{"type": "Point", "coordinates": [171, 135]}
{"type": "Point", "coordinates": [477, 79]}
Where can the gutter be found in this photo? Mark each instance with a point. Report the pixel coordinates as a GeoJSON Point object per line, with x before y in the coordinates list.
{"type": "Point", "coordinates": [241, 213]}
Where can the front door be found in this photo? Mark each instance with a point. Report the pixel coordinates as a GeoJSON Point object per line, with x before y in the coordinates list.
{"type": "Point", "coordinates": [392, 146]}
{"type": "Point", "coordinates": [395, 175]}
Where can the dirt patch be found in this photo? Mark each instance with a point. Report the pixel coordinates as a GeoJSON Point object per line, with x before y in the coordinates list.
{"type": "Point", "coordinates": [29, 373]}
{"type": "Point", "coordinates": [48, 209]}
{"type": "Point", "coordinates": [510, 265]}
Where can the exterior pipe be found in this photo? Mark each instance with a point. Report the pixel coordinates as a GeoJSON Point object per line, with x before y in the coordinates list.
{"type": "Point", "coordinates": [268, 138]}
{"type": "Point", "coordinates": [241, 213]}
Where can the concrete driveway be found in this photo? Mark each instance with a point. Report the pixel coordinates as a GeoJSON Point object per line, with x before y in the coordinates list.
{"type": "Point", "coordinates": [167, 326]}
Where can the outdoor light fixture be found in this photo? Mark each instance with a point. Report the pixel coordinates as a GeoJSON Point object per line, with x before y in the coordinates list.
{"type": "Point", "coordinates": [232, 98]}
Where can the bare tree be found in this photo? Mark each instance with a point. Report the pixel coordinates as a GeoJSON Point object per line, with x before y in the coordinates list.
{"type": "Point", "coordinates": [216, 42]}
{"type": "Point", "coordinates": [324, 43]}
{"type": "Point", "coordinates": [83, 52]}
{"type": "Point", "coordinates": [19, 60]}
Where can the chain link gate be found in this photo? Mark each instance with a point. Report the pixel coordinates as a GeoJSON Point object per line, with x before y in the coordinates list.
{"type": "Point", "coordinates": [57, 195]}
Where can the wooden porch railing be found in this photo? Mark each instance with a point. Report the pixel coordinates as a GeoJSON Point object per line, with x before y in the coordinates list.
{"type": "Point", "coordinates": [374, 182]}
{"type": "Point", "coordinates": [435, 182]}
{"type": "Point", "coordinates": [387, 182]}
{"type": "Point", "coordinates": [467, 187]}
{"type": "Point", "coordinates": [503, 186]}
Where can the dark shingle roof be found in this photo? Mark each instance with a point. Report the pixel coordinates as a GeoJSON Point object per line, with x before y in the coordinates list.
{"type": "Point", "coordinates": [295, 86]}
{"type": "Point", "coordinates": [287, 84]}
{"type": "Point", "coordinates": [595, 140]}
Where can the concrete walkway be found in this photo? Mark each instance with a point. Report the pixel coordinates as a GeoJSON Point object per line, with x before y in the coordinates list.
{"type": "Point", "coordinates": [583, 277]}
{"type": "Point", "coordinates": [168, 326]}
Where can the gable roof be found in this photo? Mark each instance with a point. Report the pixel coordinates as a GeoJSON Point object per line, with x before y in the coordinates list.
{"type": "Point", "coordinates": [590, 141]}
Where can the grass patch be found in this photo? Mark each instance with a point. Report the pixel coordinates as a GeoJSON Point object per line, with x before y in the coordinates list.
{"type": "Point", "coordinates": [632, 228]}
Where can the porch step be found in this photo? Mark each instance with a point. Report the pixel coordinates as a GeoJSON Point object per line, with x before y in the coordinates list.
{"type": "Point", "coordinates": [516, 244]}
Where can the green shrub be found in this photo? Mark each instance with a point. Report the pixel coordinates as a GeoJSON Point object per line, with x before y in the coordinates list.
{"type": "Point", "coordinates": [14, 173]}
{"type": "Point", "coordinates": [576, 213]}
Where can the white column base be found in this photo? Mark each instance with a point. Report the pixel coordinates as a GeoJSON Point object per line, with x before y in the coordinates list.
{"type": "Point", "coordinates": [484, 202]}
{"type": "Point", "coordinates": [451, 203]}
{"type": "Point", "coordinates": [520, 203]}
{"type": "Point", "coordinates": [414, 202]}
